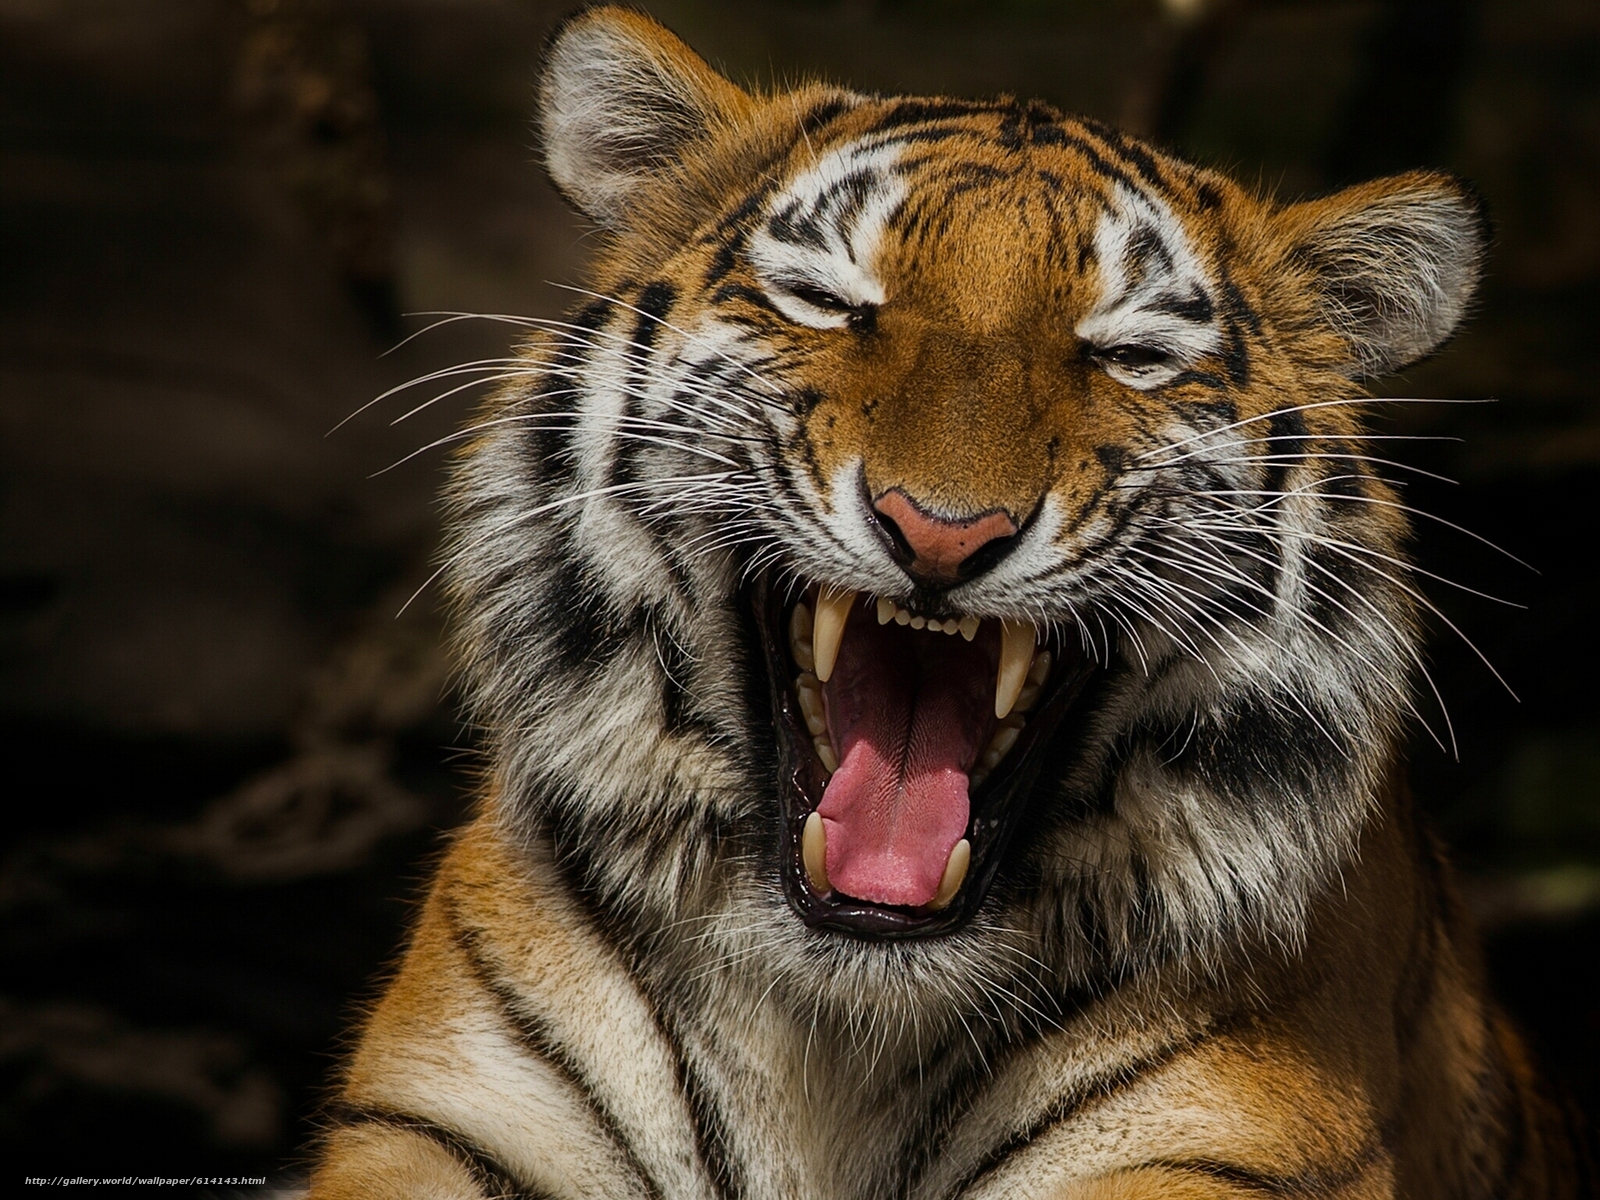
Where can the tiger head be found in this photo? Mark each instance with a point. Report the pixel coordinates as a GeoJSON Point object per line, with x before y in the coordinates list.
{"type": "Point", "coordinates": [941, 545]}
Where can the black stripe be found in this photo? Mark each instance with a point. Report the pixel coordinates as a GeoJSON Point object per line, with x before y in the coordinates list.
{"type": "Point", "coordinates": [655, 302]}
{"type": "Point", "coordinates": [539, 1042]}
{"type": "Point", "coordinates": [573, 622]}
{"type": "Point", "coordinates": [1205, 379]}
{"type": "Point", "coordinates": [1133, 153]}
{"type": "Point", "coordinates": [795, 227]}
{"type": "Point", "coordinates": [823, 114]}
{"type": "Point", "coordinates": [921, 112]}
{"type": "Point", "coordinates": [710, 1135]}
{"type": "Point", "coordinates": [492, 1178]}
{"type": "Point", "coordinates": [1196, 306]}
{"type": "Point", "coordinates": [1064, 1108]}
{"type": "Point", "coordinates": [549, 442]}
{"type": "Point", "coordinates": [1058, 135]}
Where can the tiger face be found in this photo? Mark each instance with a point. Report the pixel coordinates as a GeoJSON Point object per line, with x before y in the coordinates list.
{"type": "Point", "coordinates": [942, 548]}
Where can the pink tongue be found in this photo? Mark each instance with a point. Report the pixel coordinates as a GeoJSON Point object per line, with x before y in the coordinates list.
{"type": "Point", "coordinates": [908, 711]}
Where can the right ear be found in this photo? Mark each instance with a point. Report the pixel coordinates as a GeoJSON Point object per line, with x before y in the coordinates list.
{"type": "Point", "coordinates": [622, 102]}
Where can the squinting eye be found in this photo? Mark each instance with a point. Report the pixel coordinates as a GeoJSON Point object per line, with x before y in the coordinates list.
{"type": "Point", "coordinates": [818, 297]}
{"type": "Point", "coordinates": [860, 316]}
{"type": "Point", "coordinates": [1131, 355]}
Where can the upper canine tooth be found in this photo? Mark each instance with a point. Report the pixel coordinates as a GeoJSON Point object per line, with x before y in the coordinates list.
{"type": "Point", "coordinates": [833, 610]}
{"type": "Point", "coordinates": [800, 637]}
{"type": "Point", "coordinates": [955, 874]}
{"type": "Point", "coordinates": [885, 611]}
{"type": "Point", "coordinates": [814, 852]}
{"type": "Point", "coordinates": [1016, 654]}
{"type": "Point", "coordinates": [969, 627]}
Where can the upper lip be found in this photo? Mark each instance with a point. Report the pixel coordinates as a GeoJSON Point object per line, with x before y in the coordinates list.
{"type": "Point", "coordinates": [997, 800]}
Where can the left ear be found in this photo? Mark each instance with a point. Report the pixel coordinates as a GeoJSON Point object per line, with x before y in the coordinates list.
{"type": "Point", "coordinates": [1395, 263]}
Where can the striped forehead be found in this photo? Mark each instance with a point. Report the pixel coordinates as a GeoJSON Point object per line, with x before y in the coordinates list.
{"type": "Point", "coordinates": [823, 228]}
{"type": "Point", "coordinates": [1154, 288]}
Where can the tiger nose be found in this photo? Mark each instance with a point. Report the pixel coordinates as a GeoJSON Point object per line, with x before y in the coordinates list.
{"type": "Point", "coordinates": [936, 549]}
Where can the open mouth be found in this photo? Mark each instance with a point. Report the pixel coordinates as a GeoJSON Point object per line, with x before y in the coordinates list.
{"type": "Point", "coordinates": [907, 745]}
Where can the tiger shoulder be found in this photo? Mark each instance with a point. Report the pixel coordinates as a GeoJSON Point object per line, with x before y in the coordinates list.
{"type": "Point", "coordinates": [945, 647]}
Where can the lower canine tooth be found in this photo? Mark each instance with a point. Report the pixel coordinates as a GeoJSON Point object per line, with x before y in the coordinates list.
{"type": "Point", "coordinates": [1000, 744]}
{"type": "Point", "coordinates": [824, 750]}
{"type": "Point", "coordinates": [814, 852]}
{"type": "Point", "coordinates": [1016, 655]}
{"type": "Point", "coordinates": [827, 628]}
{"type": "Point", "coordinates": [800, 637]}
{"type": "Point", "coordinates": [955, 874]}
{"type": "Point", "coordinates": [810, 693]}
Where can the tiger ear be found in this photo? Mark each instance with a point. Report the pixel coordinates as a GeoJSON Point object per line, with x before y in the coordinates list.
{"type": "Point", "coordinates": [1395, 263]}
{"type": "Point", "coordinates": [622, 101]}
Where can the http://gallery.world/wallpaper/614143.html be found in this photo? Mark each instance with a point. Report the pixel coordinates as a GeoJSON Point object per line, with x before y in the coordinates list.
{"type": "Point", "coordinates": [233, 763]}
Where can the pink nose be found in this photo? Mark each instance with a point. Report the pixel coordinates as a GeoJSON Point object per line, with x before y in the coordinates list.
{"type": "Point", "coordinates": [940, 545]}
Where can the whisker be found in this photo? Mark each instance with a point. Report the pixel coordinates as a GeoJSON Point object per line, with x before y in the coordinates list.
{"type": "Point", "coordinates": [1342, 402]}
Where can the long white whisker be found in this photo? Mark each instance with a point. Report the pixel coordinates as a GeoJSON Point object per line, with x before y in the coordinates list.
{"type": "Point", "coordinates": [1342, 402]}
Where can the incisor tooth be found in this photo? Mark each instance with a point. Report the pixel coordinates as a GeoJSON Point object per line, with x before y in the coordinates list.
{"type": "Point", "coordinates": [814, 852]}
{"type": "Point", "coordinates": [918, 622]}
{"type": "Point", "coordinates": [800, 637]}
{"type": "Point", "coordinates": [969, 627]}
{"type": "Point", "coordinates": [955, 874]}
{"type": "Point", "coordinates": [1016, 653]}
{"type": "Point", "coordinates": [827, 628]}
{"type": "Point", "coordinates": [885, 611]}
{"type": "Point", "coordinates": [902, 617]}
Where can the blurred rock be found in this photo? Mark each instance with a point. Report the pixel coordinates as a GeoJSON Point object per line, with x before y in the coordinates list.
{"type": "Point", "coordinates": [61, 1047]}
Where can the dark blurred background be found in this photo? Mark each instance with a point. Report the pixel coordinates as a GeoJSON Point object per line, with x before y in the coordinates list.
{"type": "Point", "coordinates": [230, 762]}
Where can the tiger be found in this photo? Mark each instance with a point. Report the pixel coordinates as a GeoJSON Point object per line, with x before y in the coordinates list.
{"type": "Point", "coordinates": [944, 650]}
